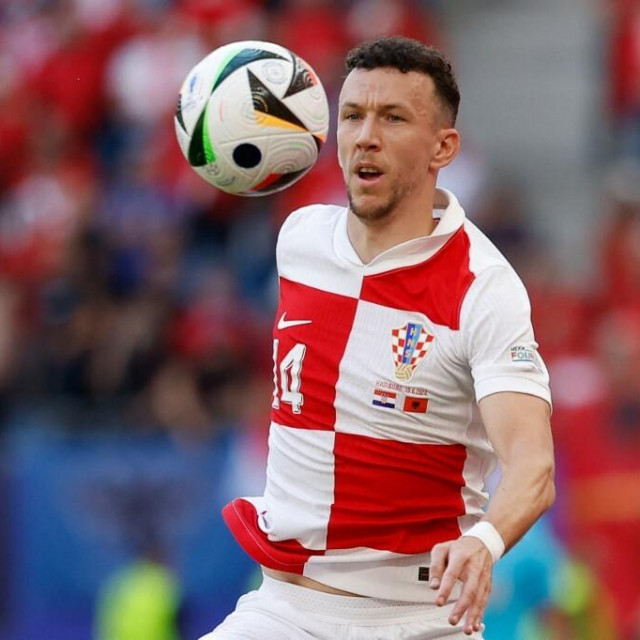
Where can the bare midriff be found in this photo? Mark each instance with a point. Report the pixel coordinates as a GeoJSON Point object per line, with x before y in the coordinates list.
{"type": "Point", "coordinates": [303, 581]}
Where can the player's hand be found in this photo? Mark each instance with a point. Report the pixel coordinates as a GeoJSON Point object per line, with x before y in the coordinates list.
{"type": "Point", "coordinates": [468, 560]}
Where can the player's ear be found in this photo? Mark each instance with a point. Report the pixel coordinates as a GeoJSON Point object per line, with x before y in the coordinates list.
{"type": "Point", "coordinates": [446, 148]}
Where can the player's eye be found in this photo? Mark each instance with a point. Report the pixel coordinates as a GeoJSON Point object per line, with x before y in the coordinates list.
{"type": "Point", "coordinates": [394, 117]}
{"type": "Point", "coordinates": [351, 115]}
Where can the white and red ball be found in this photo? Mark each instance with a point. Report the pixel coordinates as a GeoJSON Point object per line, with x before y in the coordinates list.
{"type": "Point", "coordinates": [251, 118]}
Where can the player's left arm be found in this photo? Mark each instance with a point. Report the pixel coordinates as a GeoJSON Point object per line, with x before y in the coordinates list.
{"type": "Point", "coordinates": [518, 427]}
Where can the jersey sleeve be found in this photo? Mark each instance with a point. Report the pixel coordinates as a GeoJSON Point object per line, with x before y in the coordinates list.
{"type": "Point", "coordinates": [285, 257]}
{"type": "Point", "coordinates": [497, 337]}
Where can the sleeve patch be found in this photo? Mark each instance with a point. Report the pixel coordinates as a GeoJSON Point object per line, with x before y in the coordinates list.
{"type": "Point", "coordinates": [522, 353]}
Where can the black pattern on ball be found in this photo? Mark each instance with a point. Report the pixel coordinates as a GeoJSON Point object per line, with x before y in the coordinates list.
{"type": "Point", "coordinates": [179, 117]}
{"type": "Point", "coordinates": [300, 80]}
{"type": "Point", "coordinates": [242, 59]}
{"type": "Point", "coordinates": [196, 154]}
{"type": "Point", "coordinates": [284, 180]}
{"type": "Point", "coordinates": [265, 101]}
{"type": "Point", "coordinates": [247, 155]}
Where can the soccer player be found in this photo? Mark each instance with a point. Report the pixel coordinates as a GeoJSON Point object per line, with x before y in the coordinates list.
{"type": "Point", "coordinates": [396, 314]}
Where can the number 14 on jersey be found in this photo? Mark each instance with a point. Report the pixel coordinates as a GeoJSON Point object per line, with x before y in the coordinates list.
{"type": "Point", "coordinates": [287, 377]}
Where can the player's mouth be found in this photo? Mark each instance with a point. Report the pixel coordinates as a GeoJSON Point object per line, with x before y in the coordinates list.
{"type": "Point", "coordinates": [368, 173]}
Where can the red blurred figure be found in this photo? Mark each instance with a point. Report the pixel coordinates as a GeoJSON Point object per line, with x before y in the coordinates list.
{"type": "Point", "coordinates": [597, 435]}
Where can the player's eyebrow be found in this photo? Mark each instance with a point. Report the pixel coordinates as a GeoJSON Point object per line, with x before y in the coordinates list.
{"type": "Point", "coordinates": [384, 107]}
{"type": "Point", "coordinates": [350, 105]}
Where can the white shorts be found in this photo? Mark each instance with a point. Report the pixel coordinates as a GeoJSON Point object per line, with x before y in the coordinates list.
{"type": "Point", "coordinates": [282, 611]}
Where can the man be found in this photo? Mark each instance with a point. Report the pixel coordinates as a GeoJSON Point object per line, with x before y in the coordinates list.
{"type": "Point", "coordinates": [395, 315]}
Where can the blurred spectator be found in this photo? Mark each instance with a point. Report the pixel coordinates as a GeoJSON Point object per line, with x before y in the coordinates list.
{"type": "Point", "coordinates": [140, 602]}
{"type": "Point", "coordinates": [467, 177]}
{"type": "Point", "coordinates": [523, 584]}
{"type": "Point", "coordinates": [17, 113]}
{"type": "Point", "coordinates": [146, 71]}
{"type": "Point", "coordinates": [70, 81]}
{"type": "Point", "coordinates": [367, 19]}
{"type": "Point", "coordinates": [502, 213]}
{"type": "Point", "coordinates": [583, 608]}
{"type": "Point", "coordinates": [624, 76]}
{"type": "Point", "coordinates": [37, 217]}
{"type": "Point", "coordinates": [316, 31]}
{"type": "Point", "coordinates": [5, 550]}
{"type": "Point", "coordinates": [597, 441]}
{"type": "Point", "coordinates": [9, 337]}
{"type": "Point", "coordinates": [142, 599]}
{"type": "Point", "coordinates": [224, 21]}
{"type": "Point", "coordinates": [621, 238]}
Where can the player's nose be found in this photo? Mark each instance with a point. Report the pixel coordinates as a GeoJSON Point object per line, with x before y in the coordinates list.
{"type": "Point", "coordinates": [368, 134]}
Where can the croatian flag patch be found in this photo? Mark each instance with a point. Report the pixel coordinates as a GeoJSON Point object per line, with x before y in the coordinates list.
{"type": "Point", "coordinates": [384, 398]}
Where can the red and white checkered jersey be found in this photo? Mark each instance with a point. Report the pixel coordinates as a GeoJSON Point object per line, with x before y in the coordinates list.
{"type": "Point", "coordinates": [373, 455]}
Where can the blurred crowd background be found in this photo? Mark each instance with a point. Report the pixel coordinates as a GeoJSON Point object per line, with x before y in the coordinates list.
{"type": "Point", "coordinates": [136, 301]}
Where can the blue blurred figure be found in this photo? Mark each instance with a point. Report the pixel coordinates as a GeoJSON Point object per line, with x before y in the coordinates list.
{"type": "Point", "coordinates": [523, 583]}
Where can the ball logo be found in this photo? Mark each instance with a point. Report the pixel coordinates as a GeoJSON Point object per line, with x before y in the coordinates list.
{"type": "Point", "coordinates": [192, 82]}
{"type": "Point", "coordinates": [191, 94]}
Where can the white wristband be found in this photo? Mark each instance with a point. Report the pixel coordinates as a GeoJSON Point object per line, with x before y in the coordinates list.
{"type": "Point", "coordinates": [490, 537]}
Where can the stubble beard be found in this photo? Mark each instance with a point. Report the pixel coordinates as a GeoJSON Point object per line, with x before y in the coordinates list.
{"type": "Point", "coordinates": [376, 213]}
{"type": "Point", "coordinates": [372, 214]}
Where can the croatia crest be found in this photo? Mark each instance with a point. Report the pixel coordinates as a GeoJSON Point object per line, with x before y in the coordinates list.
{"type": "Point", "coordinates": [409, 345]}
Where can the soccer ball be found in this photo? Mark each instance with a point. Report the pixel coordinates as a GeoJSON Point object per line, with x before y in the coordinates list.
{"type": "Point", "coordinates": [251, 118]}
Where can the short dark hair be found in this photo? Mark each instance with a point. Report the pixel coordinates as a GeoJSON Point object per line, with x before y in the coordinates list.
{"type": "Point", "coordinates": [406, 54]}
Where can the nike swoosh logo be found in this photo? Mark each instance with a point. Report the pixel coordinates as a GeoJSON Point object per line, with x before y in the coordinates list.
{"type": "Point", "coordinates": [286, 324]}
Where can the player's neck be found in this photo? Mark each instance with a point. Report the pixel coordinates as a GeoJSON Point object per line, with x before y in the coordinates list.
{"type": "Point", "coordinates": [372, 238]}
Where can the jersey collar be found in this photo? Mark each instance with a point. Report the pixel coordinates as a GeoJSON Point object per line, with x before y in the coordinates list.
{"type": "Point", "coordinates": [450, 217]}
